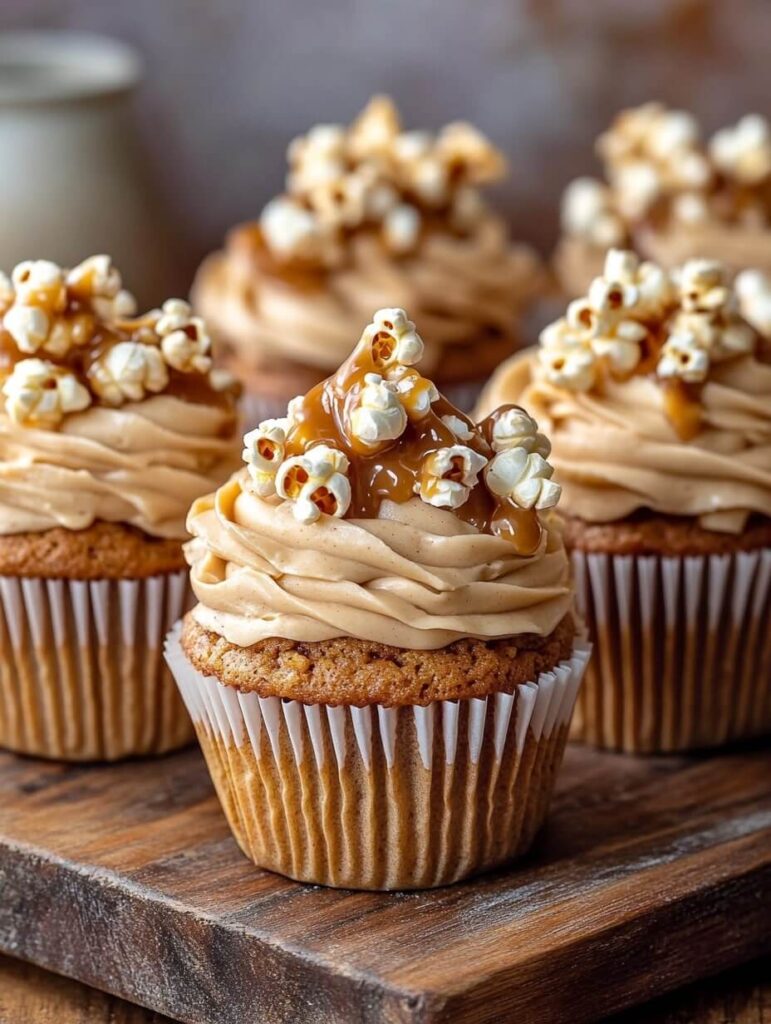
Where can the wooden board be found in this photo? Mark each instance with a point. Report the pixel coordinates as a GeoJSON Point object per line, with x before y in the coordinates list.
{"type": "Point", "coordinates": [650, 873]}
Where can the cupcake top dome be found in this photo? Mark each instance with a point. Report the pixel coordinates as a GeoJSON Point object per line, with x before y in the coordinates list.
{"type": "Point", "coordinates": [376, 510]}
{"type": "Point", "coordinates": [658, 171]}
{"type": "Point", "coordinates": [104, 415]}
{"type": "Point", "coordinates": [656, 392]}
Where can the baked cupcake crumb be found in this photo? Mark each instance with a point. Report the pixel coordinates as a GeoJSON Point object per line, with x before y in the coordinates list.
{"type": "Point", "coordinates": [348, 671]}
{"type": "Point", "coordinates": [101, 551]}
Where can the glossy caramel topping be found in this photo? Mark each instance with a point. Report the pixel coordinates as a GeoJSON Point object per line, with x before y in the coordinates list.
{"type": "Point", "coordinates": [377, 431]}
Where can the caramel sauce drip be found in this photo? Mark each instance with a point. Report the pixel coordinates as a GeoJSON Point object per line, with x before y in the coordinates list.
{"type": "Point", "coordinates": [91, 337]}
{"type": "Point", "coordinates": [392, 471]}
{"type": "Point", "coordinates": [683, 408]}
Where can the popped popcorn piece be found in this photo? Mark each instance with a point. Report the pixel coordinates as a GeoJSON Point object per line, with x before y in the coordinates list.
{"type": "Point", "coordinates": [753, 289]}
{"type": "Point", "coordinates": [378, 415]}
{"type": "Point", "coordinates": [40, 283]}
{"type": "Point", "coordinates": [28, 326]}
{"type": "Point", "coordinates": [703, 286]}
{"type": "Point", "coordinates": [264, 450]}
{"type": "Point", "coordinates": [401, 228]}
{"type": "Point", "coordinates": [459, 427]}
{"type": "Point", "coordinates": [373, 132]}
{"type": "Point", "coordinates": [743, 152]}
{"type": "Point", "coordinates": [290, 229]}
{"type": "Point", "coordinates": [185, 342]}
{"type": "Point", "coordinates": [428, 177]}
{"type": "Point", "coordinates": [127, 372]}
{"type": "Point", "coordinates": [587, 212]}
{"type": "Point", "coordinates": [651, 151]}
{"type": "Point", "coordinates": [94, 277]}
{"type": "Point", "coordinates": [67, 331]}
{"type": "Point", "coordinates": [684, 358]}
{"type": "Point", "coordinates": [620, 344]}
{"type": "Point", "coordinates": [468, 154]}
{"type": "Point", "coordinates": [317, 158]}
{"type": "Point", "coordinates": [393, 339]}
{"type": "Point", "coordinates": [340, 202]}
{"type": "Point", "coordinates": [515, 428]}
{"type": "Point", "coordinates": [523, 477]}
{"type": "Point", "coordinates": [447, 476]}
{"type": "Point", "coordinates": [40, 394]}
{"type": "Point", "coordinates": [416, 393]}
{"type": "Point", "coordinates": [566, 357]}
{"type": "Point", "coordinates": [315, 483]}
{"type": "Point", "coordinates": [653, 285]}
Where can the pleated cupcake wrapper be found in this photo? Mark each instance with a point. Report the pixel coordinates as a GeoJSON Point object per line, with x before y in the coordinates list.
{"type": "Point", "coordinates": [82, 674]}
{"type": "Point", "coordinates": [682, 655]}
{"type": "Point", "coordinates": [377, 797]}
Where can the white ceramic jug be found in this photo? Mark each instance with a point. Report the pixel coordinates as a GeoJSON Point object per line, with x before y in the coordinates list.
{"type": "Point", "coordinates": [72, 180]}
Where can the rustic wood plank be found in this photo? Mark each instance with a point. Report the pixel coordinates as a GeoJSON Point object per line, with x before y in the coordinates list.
{"type": "Point", "coordinates": [29, 995]}
{"type": "Point", "coordinates": [650, 873]}
{"type": "Point", "coordinates": [33, 996]}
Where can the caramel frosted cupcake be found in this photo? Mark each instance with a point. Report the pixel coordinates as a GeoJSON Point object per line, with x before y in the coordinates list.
{"type": "Point", "coordinates": [372, 214]}
{"type": "Point", "coordinates": [657, 396]}
{"type": "Point", "coordinates": [670, 196]}
{"type": "Point", "coordinates": [109, 427]}
{"type": "Point", "coordinates": [383, 662]}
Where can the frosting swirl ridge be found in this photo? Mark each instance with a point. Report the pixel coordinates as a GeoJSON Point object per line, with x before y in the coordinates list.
{"type": "Point", "coordinates": [141, 464]}
{"type": "Point", "coordinates": [615, 451]}
{"type": "Point", "coordinates": [459, 287]}
{"type": "Point", "coordinates": [415, 577]}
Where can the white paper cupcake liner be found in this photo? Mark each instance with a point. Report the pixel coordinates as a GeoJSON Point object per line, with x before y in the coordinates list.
{"type": "Point", "coordinates": [379, 797]}
{"type": "Point", "coordinates": [682, 649]}
{"type": "Point", "coordinates": [82, 675]}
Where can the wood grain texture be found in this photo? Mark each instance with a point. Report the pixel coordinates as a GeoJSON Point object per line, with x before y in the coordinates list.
{"type": "Point", "coordinates": [33, 996]}
{"type": "Point", "coordinates": [649, 874]}
{"type": "Point", "coordinates": [29, 995]}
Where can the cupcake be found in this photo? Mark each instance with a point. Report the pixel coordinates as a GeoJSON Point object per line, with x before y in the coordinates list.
{"type": "Point", "coordinates": [657, 395]}
{"type": "Point", "coordinates": [371, 214]}
{"type": "Point", "coordinates": [109, 427]}
{"type": "Point", "coordinates": [670, 196]}
{"type": "Point", "coordinates": [383, 661]}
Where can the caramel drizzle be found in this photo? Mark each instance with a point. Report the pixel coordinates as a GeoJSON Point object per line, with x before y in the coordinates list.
{"type": "Point", "coordinates": [92, 338]}
{"type": "Point", "coordinates": [393, 471]}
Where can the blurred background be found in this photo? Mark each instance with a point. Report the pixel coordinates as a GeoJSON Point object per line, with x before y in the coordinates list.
{"type": "Point", "coordinates": [227, 83]}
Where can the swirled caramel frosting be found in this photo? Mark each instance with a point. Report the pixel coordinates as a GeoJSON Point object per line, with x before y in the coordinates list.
{"type": "Point", "coordinates": [372, 214]}
{"type": "Point", "coordinates": [657, 395]}
{"type": "Point", "coordinates": [104, 415]}
{"type": "Point", "coordinates": [376, 509]}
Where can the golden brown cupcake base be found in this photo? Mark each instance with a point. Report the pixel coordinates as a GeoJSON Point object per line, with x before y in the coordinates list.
{"type": "Point", "coordinates": [382, 798]}
{"type": "Point", "coordinates": [101, 551]}
{"type": "Point", "coordinates": [653, 534]}
{"type": "Point", "coordinates": [351, 671]}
